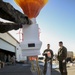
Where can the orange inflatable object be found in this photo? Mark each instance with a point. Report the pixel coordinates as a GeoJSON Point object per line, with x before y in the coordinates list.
{"type": "Point", "coordinates": [31, 7]}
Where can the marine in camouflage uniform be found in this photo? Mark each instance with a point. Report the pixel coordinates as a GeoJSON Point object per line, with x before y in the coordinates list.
{"type": "Point", "coordinates": [48, 53]}
{"type": "Point", "coordinates": [62, 55]}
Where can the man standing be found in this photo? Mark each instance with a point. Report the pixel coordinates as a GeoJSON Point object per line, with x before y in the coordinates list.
{"type": "Point", "coordinates": [48, 53]}
{"type": "Point", "coordinates": [62, 55]}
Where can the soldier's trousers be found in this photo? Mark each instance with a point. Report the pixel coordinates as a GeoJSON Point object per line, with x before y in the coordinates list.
{"type": "Point", "coordinates": [62, 68]}
{"type": "Point", "coordinates": [45, 67]}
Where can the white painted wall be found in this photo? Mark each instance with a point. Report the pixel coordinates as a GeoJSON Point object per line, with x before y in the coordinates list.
{"type": "Point", "coordinates": [7, 46]}
{"type": "Point", "coordinates": [7, 37]}
{"type": "Point", "coordinates": [19, 56]}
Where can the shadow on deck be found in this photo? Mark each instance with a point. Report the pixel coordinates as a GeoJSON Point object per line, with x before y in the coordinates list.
{"type": "Point", "coordinates": [20, 69]}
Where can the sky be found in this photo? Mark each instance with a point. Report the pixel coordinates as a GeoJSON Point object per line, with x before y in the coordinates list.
{"type": "Point", "coordinates": [57, 23]}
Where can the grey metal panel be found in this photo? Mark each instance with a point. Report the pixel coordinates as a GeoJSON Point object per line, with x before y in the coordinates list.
{"type": "Point", "coordinates": [6, 46]}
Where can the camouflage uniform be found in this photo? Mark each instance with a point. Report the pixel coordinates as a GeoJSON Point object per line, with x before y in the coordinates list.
{"type": "Point", "coordinates": [47, 59]}
{"type": "Point", "coordinates": [62, 55]}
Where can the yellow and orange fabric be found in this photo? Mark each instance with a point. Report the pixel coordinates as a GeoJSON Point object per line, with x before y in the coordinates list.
{"type": "Point", "coordinates": [31, 7]}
